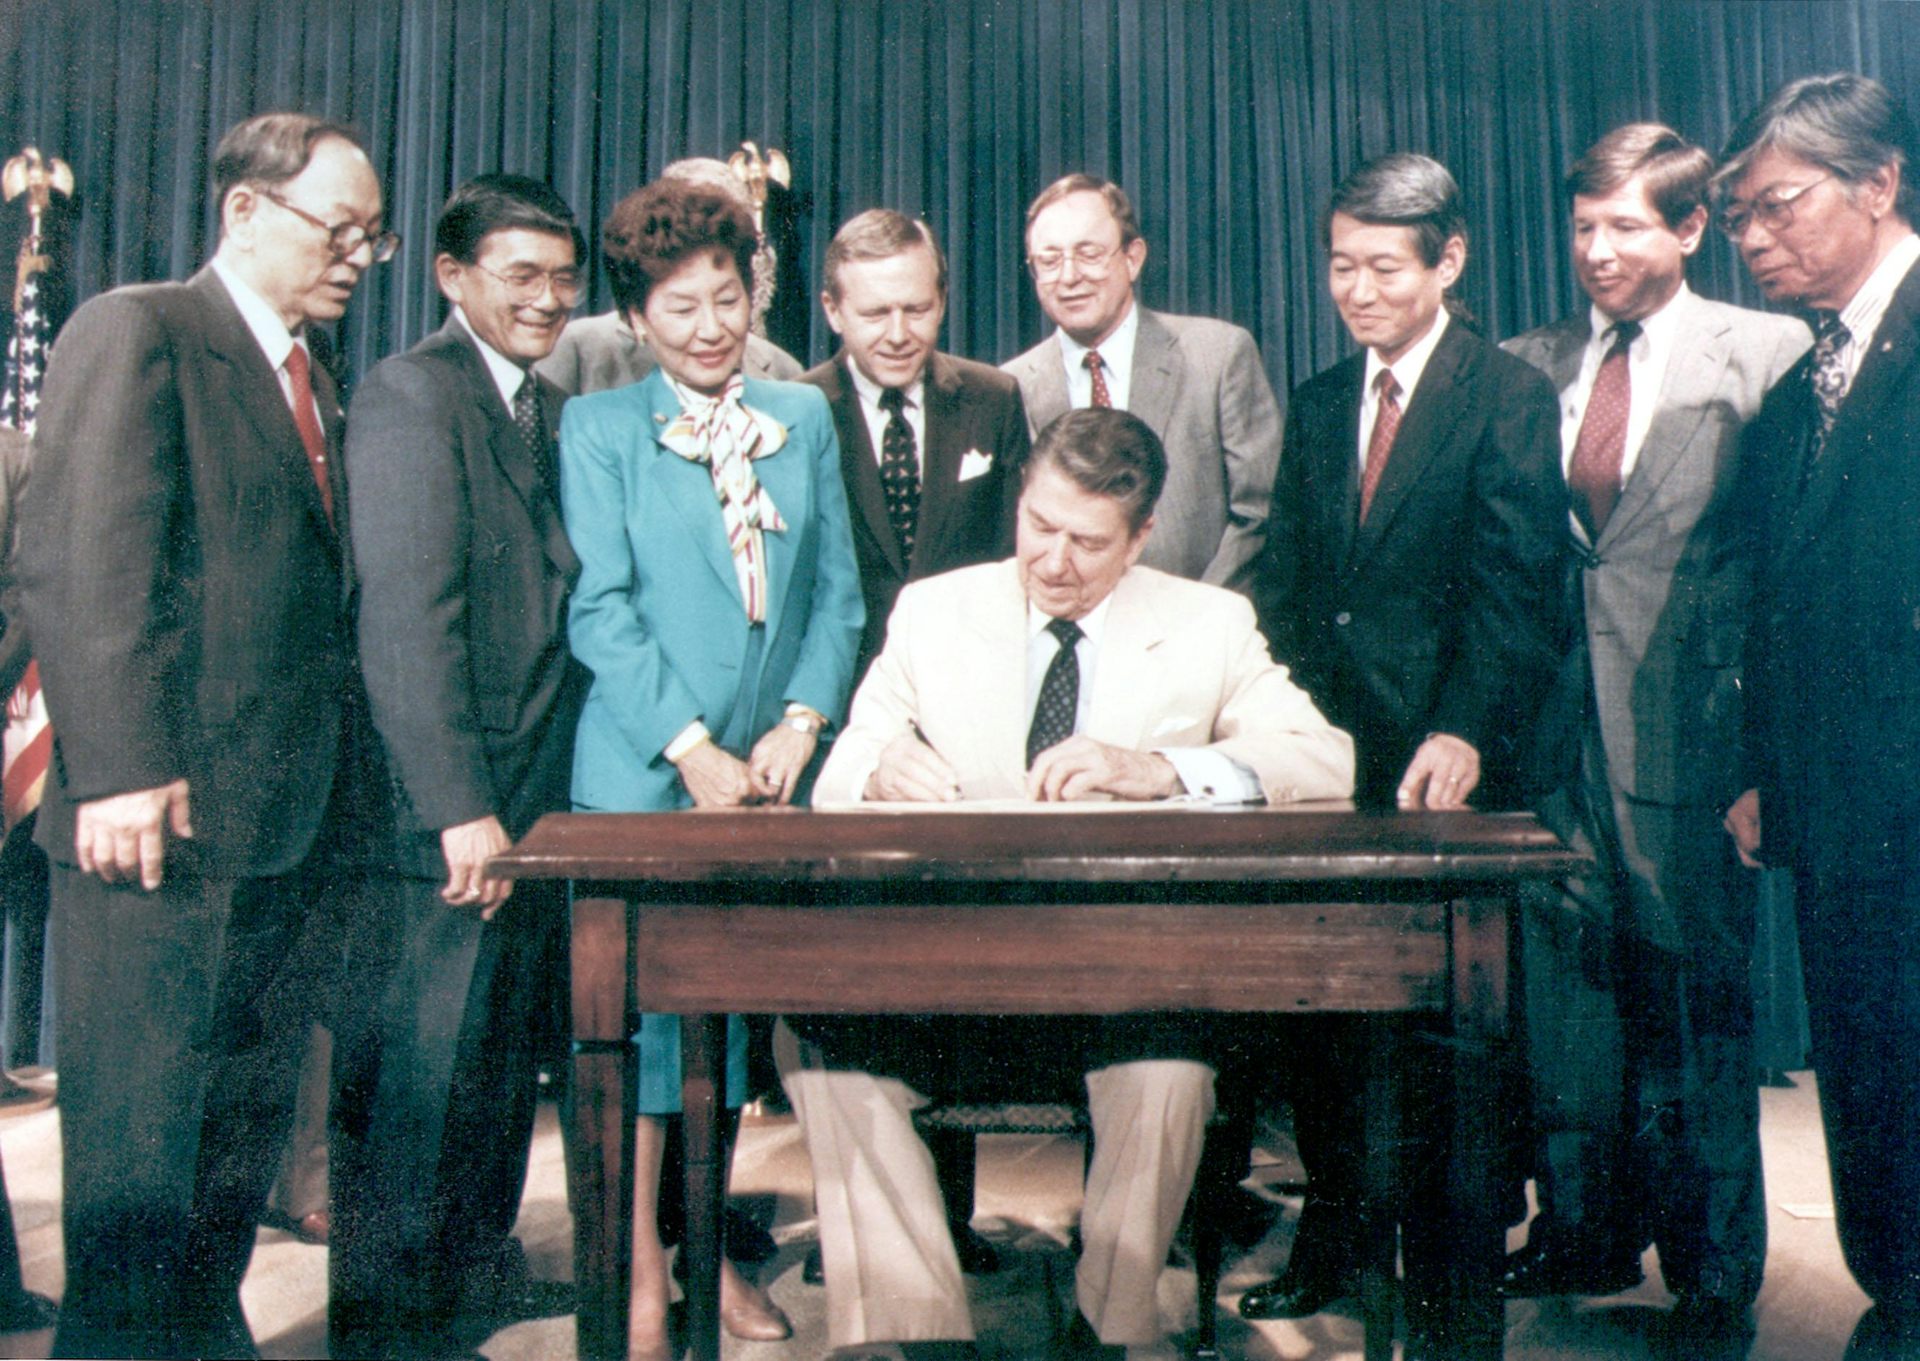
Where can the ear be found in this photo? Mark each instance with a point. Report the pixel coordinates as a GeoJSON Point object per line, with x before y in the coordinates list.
{"type": "Point", "coordinates": [1453, 261]}
{"type": "Point", "coordinates": [452, 278]}
{"type": "Point", "coordinates": [1692, 230]}
{"type": "Point", "coordinates": [1136, 254]}
{"type": "Point", "coordinates": [635, 323]}
{"type": "Point", "coordinates": [1879, 190]}
{"type": "Point", "coordinates": [1139, 544]}
{"type": "Point", "coordinates": [831, 306]}
{"type": "Point", "coordinates": [237, 212]}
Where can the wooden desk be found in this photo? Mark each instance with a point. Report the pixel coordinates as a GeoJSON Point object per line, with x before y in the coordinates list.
{"type": "Point", "coordinates": [1291, 910]}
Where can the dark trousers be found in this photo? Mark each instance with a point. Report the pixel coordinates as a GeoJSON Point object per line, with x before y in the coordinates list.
{"type": "Point", "coordinates": [1860, 943]}
{"type": "Point", "coordinates": [436, 1084]}
{"type": "Point", "coordinates": [23, 903]}
{"type": "Point", "coordinates": [183, 1016]}
{"type": "Point", "coordinates": [1639, 1029]}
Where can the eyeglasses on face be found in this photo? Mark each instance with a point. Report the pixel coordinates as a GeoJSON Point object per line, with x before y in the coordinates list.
{"type": "Point", "coordinates": [344, 238]}
{"type": "Point", "coordinates": [1093, 261]}
{"type": "Point", "coordinates": [1772, 209]}
{"type": "Point", "coordinates": [528, 283]}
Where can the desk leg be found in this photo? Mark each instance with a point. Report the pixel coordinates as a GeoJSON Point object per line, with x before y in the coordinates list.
{"type": "Point", "coordinates": [1478, 1316]}
{"type": "Point", "coordinates": [599, 1127]}
{"type": "Point", "coordinates": [703, 1041]}
{"type": "Point", "coordinates": [1379, 1211]}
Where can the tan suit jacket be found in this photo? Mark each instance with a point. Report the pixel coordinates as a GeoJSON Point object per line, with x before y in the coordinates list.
{"type": "Point", "coordinates": [1181, 665]}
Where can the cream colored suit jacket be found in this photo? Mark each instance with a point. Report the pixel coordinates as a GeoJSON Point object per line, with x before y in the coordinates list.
{"type": "Point", "coordinates": [1181, 665]}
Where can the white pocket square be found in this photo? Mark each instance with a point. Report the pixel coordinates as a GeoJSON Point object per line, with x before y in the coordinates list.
{"type": "Point", "coordinates": [974, 464]}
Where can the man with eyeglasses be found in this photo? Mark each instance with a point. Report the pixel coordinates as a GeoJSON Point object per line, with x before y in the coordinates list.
{"type": "Point", "coordinates": [1196, 381]}
{"type": "Point", "coordinates": [215, 781]}
{"type": "Point", "coordinates": [464, 572]}
{"type": "Point", "coordinates": [1819, 201]}
{"type": "Point", "coordinates": [1638, 1003]}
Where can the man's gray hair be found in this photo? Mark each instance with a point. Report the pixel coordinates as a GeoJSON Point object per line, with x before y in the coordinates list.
{"type": "Point", "coordinates": [1849, 125]}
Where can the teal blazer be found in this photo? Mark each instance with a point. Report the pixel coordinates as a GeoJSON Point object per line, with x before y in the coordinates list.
{"type": "Point", "coordinates": [657, 614]}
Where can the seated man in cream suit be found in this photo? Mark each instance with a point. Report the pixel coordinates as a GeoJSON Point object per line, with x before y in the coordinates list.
{"type": "Point", "coordinates": [1065, 673]}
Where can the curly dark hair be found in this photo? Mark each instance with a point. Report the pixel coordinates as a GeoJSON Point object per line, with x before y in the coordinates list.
{"type": "Point", "coordinates": [654, 230]}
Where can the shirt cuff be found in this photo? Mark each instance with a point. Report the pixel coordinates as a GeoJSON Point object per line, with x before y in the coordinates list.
{"type": "Point", "coordinates": [690, 737]}
{"type": "Point", "coordinates": [1213, 775]}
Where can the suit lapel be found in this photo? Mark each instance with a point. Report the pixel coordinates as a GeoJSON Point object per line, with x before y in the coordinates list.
{"type": "Point", "coordinates": [1339, 451]}
{"type": "Point", "coordinates": [1155, 382]}
{"type": "Point", "coordinates": [1694, 370]}
{"type": "Point", "coordinates": [1121, 710]}
{"type": "Point", "coordinates": [1044, 385]}
{"type": "Point", "coordinates": [687, 488]}
{"type": "Point", "coordinates": [858, 469]}
{"type": "Point", "coordinates": [263, 402]}
{"type": "Point", "coordinates": [1894, 349]}
{"type": "Point", "coordinates": [944, 452]}
{"type": "Point", "coordinates": [783, 476]}
{"type": "Point", "coordinates": [1434, 409]}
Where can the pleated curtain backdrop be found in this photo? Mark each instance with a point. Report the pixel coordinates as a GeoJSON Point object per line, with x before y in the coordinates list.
{"type": "Point", "coordinates": [1228, 122]}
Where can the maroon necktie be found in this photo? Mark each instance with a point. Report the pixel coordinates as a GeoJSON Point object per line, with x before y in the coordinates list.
{"type": "Point", "coordinates": [1600, 450]}
{"type": "Point", "coordinates": [308, 421]}
{"type": "Point", "coordinates": [1386, 424]}
{"type": "Point", "coordinates": [1095, 364]}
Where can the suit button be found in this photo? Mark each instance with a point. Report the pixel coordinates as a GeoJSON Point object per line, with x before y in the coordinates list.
{"type": "Point", "coordinates": [1343, 619]}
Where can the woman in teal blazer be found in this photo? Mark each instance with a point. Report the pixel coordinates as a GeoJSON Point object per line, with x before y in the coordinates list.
{"type": "Point", "coordinates": [718, 604]}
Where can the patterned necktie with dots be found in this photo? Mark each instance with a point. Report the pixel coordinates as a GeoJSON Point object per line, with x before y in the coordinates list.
{"type": "Point", "coordinates": [1096, 369]}
{"type": "Point", "coordinates": [899, 471]}
{"type": "Point", "coordinates": [1600, 449]}
{"type": "Point", "coordinates": [1059, 701]}
{"type": "Point", "coordinates": [1386, 424]}
{"type": "Point", "coordinates": [529, 415]}
{"type": "Point", "coordinates": [1829, 377]}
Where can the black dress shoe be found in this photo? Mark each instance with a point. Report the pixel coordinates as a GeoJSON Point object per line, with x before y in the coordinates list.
{"type": "Point", "coordinates": [1706, 1328]}
{"type": "Point", "coordinates": [1081, 1343]}
{"type": "Point", "coordinates": [27, 1313]}
{"type": "Point", "coordinates": [1296, 1294]}
{"type": "Point", "coordinates": [1532, 1272]}
{"type": "Point", "coordinates": [1886, 1332]}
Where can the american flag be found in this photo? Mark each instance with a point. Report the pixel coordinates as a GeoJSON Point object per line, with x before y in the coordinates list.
{"type": "Point", "coordinates": [26, 359]}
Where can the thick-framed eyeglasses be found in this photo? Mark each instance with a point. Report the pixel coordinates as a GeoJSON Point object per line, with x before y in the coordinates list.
{"type": "Point", "coordinates": [1773, 210]}
{"type": "Point", "coordinates": [527, 283]}
{"type": "Point", "coordinates": [1093, 261]}
{"type": "Point", "coordinates": [344, 238]}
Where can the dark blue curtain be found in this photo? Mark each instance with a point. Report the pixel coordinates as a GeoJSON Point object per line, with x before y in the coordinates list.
{"type": "Point", "coordinates": [1228, 122]}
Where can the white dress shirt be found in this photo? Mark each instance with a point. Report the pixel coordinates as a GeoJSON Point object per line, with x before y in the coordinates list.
{"type": "Point", "coordinates": [269, 332]}
{"type": "Point", "coordinates": [507, 376]}
{"type": "Point", "coordinates": [1647, 359]}
{"type": "Point", "coordinates": [1116, 358]}
{"type": "Point", "coordinates": [913, 409]}
{"type": "Point", "coordinates": [1406, 371]}
{"type": "Point", "coordinates": [1868, 305]}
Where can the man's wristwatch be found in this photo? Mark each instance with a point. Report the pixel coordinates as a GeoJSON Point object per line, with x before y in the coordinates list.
{"type": "Point", "coordinates": [810, 724]}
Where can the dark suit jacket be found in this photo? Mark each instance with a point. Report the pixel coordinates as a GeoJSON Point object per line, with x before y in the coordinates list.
{"type": "Point", "coordinates": [1833, 658]}
{"type": "Point", "coordinates": [464, 573]}
{"type": "Point", "coordinates": [970, 408]}
{"type": "Point", "coordinates": [1442, 613]}
{"type": "Point", "coordinates": [188, 599]}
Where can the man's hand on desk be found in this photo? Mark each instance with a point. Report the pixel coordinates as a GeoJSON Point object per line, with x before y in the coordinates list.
{"type": "Point", "coordinates": [467, 848]}
{"type": "Point", "coordinates": [1080, 767]}
{"type": "Point", "coordinates": [125, 835]}
{"type": "Point", "coordinates": [910, 771]}
{"type": "Point", "coordinates": [1442, 773]}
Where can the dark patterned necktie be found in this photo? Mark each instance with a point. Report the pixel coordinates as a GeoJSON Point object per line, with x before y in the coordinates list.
{"type": "Point", "coordinates": [1096, 368]}
{"type": "Point", "coordinates": [1600, 449]}
{"type": "Point", "coordinates": [1386, 424]}
{"type": "Point", "coordinates": [1059, 702]}
{"type": "Point", "coordinates": [1829, 377]}
{"type": "Point", "coordinates": [531, 418]}
{"type": "Point", "coordinates": [899, 471]}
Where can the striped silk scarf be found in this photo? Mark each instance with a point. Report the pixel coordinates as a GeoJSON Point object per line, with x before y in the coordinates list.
{"type": "Point", "coordinates": [727, 437]}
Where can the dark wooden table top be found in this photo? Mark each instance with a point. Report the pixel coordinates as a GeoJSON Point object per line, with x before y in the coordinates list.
{"type": "Point", "coordinates": [1324, 842]}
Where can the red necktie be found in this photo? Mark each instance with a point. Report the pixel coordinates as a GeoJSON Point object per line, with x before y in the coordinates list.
{"type": "Point", "coordinates": [1386, 424]}
{"type": "Point", "coordinates": [308, 421]}
{"type": "Point", "coordinates": [1600, 450]}
{"type": "Point", "coordinates": [1101, 397]}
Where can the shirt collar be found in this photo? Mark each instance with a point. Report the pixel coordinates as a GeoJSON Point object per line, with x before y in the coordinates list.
{"type": "Point", "coordinates": [1864, 310]}
{"type": "Point", "coordinates": [869, 391]}
{"type": "Point", "coordinates": [1092, 624]}
{"type": "Point", "coordinates": [1656, 328]}
{"type": "Point", "coordinates": [271, 333]}
{"type": "Point", "coordinates": [1409, 366]}
{"type": "Point", "coordinates": [507, 375]}
{"type": "Point", "coordinates": [1116, 351]}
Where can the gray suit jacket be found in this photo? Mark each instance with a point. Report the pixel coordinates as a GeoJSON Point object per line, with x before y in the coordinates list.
{"type": "Point", "coordinates": [1199, 383]}
{"type": "Point", "coordinates": [601, 352]}
{"type": "Point", "coordinates": [1665, 589]}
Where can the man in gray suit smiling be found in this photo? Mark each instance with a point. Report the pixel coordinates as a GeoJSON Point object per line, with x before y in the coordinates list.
{"type": "Point", "coordinates": [1196, 381]}
{"type": "Point", "coordinates": [1639, 1019]}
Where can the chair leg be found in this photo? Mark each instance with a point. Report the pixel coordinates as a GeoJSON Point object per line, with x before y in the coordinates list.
{"type": "Point", "coordinates": [1222, 1166]}
{"type": "Point", "coordinates": [953, 1153]}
